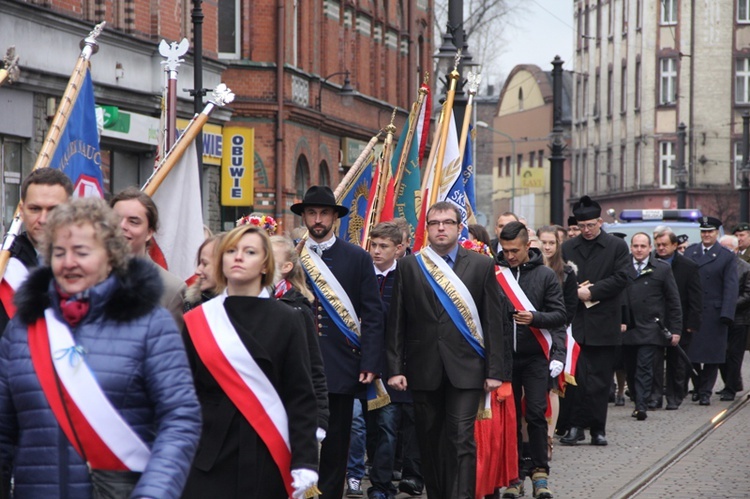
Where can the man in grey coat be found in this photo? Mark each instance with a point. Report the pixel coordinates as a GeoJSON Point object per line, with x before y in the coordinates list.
{"type": "Point", "coordinates": [718, 272]}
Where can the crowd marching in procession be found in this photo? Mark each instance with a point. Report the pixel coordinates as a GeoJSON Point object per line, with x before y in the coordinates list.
{"type": "Point", "coordinates": [416, 352]}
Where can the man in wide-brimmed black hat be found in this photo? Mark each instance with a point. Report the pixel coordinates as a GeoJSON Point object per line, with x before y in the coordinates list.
{"type": "Point", "coordinates": [603, 261]}
{"type": "Point", "coordinates": [353, 355]}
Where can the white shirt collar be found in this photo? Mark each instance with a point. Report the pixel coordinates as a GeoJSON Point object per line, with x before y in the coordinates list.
{"type": "Point", "coordinates": [643, 263]}
{"type": "Point", "coordinates": [325, 245]}
{"type": "Point", "coordinates": [387, 271]}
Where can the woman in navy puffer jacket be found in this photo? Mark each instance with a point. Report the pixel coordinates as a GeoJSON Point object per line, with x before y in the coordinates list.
{"type": "Point", "coordinates": [131, 345]}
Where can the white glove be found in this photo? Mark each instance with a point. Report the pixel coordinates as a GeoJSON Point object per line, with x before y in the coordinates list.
{"type": "Point", "coordinates": [555, 368]}
{"type": "Point", "coordinates": [320, 434]}
{"type": "Point", "coordinates": [303, 479]}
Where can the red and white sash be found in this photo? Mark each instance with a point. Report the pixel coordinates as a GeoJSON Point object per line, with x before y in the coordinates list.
{"type": "Point", "coordinates": [244, 382]}
{"type": "Point", "coordinates": [521, 303]}
{"type": "Point", "coordinates": [15, 273]}
{"type": "Point", "coordinates": [109, 442]}
{"type": "Point", "coordinates": [572, 350]}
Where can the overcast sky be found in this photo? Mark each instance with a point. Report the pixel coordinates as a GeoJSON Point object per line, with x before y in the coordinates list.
{"type": "Point", "coordinates": [541, 30]}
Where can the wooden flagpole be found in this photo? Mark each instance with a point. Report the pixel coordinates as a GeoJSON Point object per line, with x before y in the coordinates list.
{"type": "Point", "coordinates": [447, 116]}
{"type": "Point", "coordinates": [383, 179]}
{"type": "Point", "coordinates": [89, 47]}
{"type": "Point", "coordinates": [221, 96]}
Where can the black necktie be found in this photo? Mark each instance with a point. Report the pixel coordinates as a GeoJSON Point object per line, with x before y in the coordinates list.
{"type": "Point", "coordinates": [381, 278]}
{"type": "Point", "coordinates": [705, 250]}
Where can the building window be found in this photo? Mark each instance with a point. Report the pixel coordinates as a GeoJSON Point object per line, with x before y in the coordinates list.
{"type": "Point", "coordinates": [737, 164]}
{"type": "Point", "coordinates": [598, 23]}
{"type": "Point", "coordinates": [611, 19]}
{"type": "Point", "coordinates": [520, 99]}
{"type": "Point", "coordinates": [532, 158]}
{"type": "Point", "coordinates": [743, 11]}
{"type": "Point", "coordinates": [742, 81]}
{"type": "Point", "coordinates": [637, 166]}
{"type": "Point", "coordinates": [637, 102]}
{"type": "Point", "coordinates": [610, 92]}
{"type": "Point", "coordinates": [623, 165]}
{"type": "Point", "coordinates": [668, 79]}
{"type": "Point", "coordinates": [302, 176]}
{"type": "Point", "coordinates": [624, 89]}
{"type": "Point", "coordinates": [507, 166]}
{"type": "Point", "coordinates": [668, 12]}
{"type": "Point", "coordinates": [11, 160]}
{"type": "Point", "coordinates": [540, 157]}
{"type": "Point", "coordinates": [597, 169]}
{"type": "Point", "coordinates": [324, 176]}
{"type": "Point", "coordinates": [586, 30]}
{"type": "Point", "coordinates": [597, 91]}
{"type": "Point", "coordinates": [519, 162]}
{"type": "Point", "coordinates": [585, 98]}
{"type": "Point", "coordinates": [666, 164]}
{"type": "Point", "coordinates": [610, 175]}
{"type": "Point", "coordinates": [625, 5]}
{"type": "Point", "coordinates": [579, 24]}
{"type": "Point", "coordinates": [229, 15]}
{"type": "Point", "coordinates": [500, 167]}
{"type": "Point", "coordinates": [638, 14]}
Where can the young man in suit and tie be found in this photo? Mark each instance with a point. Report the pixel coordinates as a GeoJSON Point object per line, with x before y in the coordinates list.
{"type": "Point", "coordinates": [718, 272]}
{"type": "Point", "coordinates": [448, 354]}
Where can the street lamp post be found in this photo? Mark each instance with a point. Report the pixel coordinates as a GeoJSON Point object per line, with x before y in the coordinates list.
{"type": "Point", "coordinates": [513, 161]}
{"type": "Point", "coordinates": [681, 172]}
{"type": "Point", "coordinates": [347, 92]}
{"type": "Point", "coordinates": [745, 168]}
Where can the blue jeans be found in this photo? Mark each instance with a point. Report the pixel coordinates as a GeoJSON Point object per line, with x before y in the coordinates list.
{"type": "Point", "coordinates": [382, 435]}
{"type": "Point", "coordinates": [355, 466]}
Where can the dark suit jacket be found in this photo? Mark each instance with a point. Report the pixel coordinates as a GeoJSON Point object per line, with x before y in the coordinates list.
{"type": "Point", "coordinates": [718, 273]}
{"type": "Point", "coordinates": [651, 294]}
{"type": "Point", "coordinates": [603, 262]}
{"type": "Point", "coordinates": [343, 362]}
{"type": "Point", "coordinates": [422, 341]}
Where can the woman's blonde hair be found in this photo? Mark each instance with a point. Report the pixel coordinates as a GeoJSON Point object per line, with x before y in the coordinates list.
{"type": "Point", "coordinates": [296, 276]}
{"type": "Point", "coordinates": [230, 240]}
{"type": "Point", "coordinates": [103, 219]}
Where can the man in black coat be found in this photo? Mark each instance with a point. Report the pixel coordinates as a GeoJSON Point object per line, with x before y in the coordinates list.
{"type": "Point", "coordinates": [687, 277]}
{"type": "Point", "coordinates": [602, 261]}
{"type": "Point", "coordinates": [731, 370]}
{"type": "Point", "coordinates": [428, 353]}
{"type": "Point", "coordinates": [347, 366]}
{"type": "Point", "coordinates": [41, 191]}
{"type": "Point", "coordinates": [718, 272]}
{"type": "Point", "coordinates": [536, 358]}
{"type": "Point", "coordinates": [502, 220]}
{"type": "Point", "coordinates": [651, 295]}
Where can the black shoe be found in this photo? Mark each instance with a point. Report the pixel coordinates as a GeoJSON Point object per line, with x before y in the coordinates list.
{"type": "Point", "coordinates": [727, 397]}
{"type": "Point", "coordinates": [573, 436]}
{"type": "Point", "coordinates": [655, 404]}
{"type": "Point", "coordinates": [598, 439]}
{"type": "Point", "coordinates": [672, 407]}
{"type": "Point", "coordinates": [640, 415]}
{"type": "Point", "coordinates": [705, 400]}
{"type": "Point", "coordinates": [410, 486]}
{"type": "Point", "coordinates": [696, 397]}
{"type": "Point", "coordinates": [722, 391]}
{"type": "Point", "coordinates": [620, 401]}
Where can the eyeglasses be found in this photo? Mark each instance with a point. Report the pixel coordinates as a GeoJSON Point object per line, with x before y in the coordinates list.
{"type": "Point", "coordinates": [587, 226]}
{"type": "Point", "coordinates": [444, 223]}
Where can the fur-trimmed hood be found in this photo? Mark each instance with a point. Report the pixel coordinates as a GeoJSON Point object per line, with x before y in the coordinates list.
{"type": "Point", "coordinates": [121, 298]}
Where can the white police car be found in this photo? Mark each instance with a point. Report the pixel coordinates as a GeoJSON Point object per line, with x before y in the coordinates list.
{"type": "Point", "coordinates": [683, 221]}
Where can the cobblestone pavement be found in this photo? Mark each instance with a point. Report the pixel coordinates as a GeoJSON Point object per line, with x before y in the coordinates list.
{"type": "Point", "coordinates": [716, 468]}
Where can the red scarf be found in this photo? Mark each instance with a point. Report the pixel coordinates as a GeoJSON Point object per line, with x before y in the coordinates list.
{"type": "Point", "coordinates": [73, 307]}
{"type": "Point", "coordinates": [281, 288]}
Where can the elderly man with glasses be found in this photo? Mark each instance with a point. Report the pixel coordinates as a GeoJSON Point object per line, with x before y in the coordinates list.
{"type": "Point", "coordinates": [603, 262]}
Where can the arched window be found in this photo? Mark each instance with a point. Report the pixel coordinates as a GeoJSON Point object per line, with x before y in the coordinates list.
{"type": "Point", "coordinates": [520, 99]}
{"type": "Point", "coordinates": [302, 176]}
{"type": "Point", "coordinates": [324, 177]}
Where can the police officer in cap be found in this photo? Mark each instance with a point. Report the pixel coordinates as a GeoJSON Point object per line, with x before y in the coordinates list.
{"type": "Point", "coordinates": [603, 262]}
{"type": "Point", "coordinates": [719, 280]}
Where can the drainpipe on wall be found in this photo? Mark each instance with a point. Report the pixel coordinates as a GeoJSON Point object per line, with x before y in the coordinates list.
{"type": "Point", "coordinates": [279, 167]}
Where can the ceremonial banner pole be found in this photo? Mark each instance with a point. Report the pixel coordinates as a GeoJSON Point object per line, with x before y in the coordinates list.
{"type": "Point", "coordinates": [89, 47]}
{"type": "Point", "coordinates": [383, 180]}
{"type": "Point", "coordinates": [9, 72]}
{"type": "Point", "coordinates": [413, 118]}
{"type": "Point", "coordinates": [172, 51]}
{"type": "Point", "coordinates": [473, 82]}
{"type": "Point", "coordinates": [355, 169]}
{"type": "Point", "coordinates": [447, 116]}
{"type": "Point", "coordinates": [220, 97]}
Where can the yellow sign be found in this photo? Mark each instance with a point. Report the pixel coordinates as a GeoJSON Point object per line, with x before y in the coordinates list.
{"type": "Point", "coordinates": [532, 177]}
{"type": "Point", "coordinates": [212, 141]}
{"type": "Point", "coordinates": [237, 166]}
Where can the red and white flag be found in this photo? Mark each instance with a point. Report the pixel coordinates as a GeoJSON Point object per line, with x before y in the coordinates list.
{"type": "Point", "coordinates": [15, 274]}
{"type": "Point", "coordinates": [180, 217]}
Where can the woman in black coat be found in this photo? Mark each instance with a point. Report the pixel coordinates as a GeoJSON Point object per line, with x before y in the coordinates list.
{"type": "Point", "coordinates": [238, 456]}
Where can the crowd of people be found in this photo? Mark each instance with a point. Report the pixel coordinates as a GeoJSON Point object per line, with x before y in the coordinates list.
{"type": "Point", "coordinates": [294, 367]}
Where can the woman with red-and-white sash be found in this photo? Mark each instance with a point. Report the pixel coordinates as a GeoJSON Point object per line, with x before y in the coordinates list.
{"type": "Point", "coordinates": [252, 374]}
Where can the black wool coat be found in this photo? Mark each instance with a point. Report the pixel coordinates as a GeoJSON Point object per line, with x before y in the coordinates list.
{"type": "Point", "coordinates": [604, 263]}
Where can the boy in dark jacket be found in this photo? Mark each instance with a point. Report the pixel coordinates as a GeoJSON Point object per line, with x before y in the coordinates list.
{"type": "Point", "coordinates": [538, 344]}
